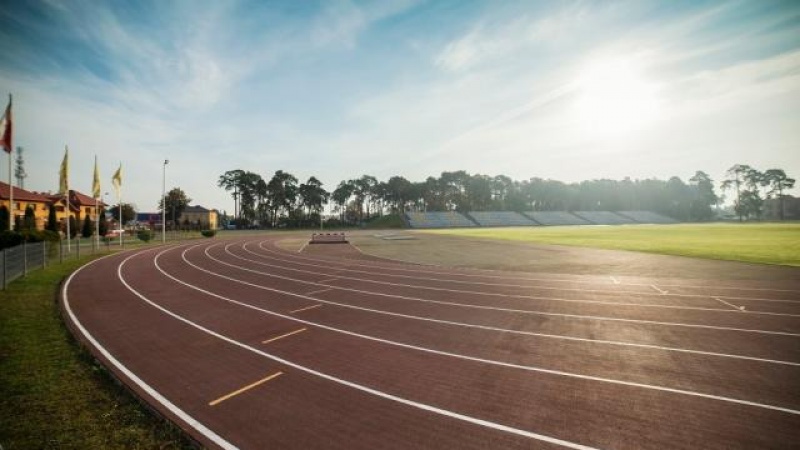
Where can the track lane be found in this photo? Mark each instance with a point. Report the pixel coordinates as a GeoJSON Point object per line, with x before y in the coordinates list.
{"type": "Point", "coordinates": [321, 355]}
{"type": "Point", "coordinates": [598, 300]}
{"type": "Point", "coordinates": [190, 366]}
{"type": "Point", "coordinates": [728, 289]}
{"type": "Point", "coordinates": [706, 339]}
{"type": "Point", "coordinates": [645, 365]}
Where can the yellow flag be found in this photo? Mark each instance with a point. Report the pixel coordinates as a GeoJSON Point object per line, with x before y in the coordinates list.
{"type": "Point", "coordinates": [96, 181]}
{"type": "Point", "coordinates": [63, 174]}
{"type": "Point", "coordinates": [116, 180]}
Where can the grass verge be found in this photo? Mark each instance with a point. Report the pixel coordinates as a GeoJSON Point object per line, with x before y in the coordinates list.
{"type": "Point", "coordinates": [766, 243]}
{"type": "Point", "coordinates": [52, 393]}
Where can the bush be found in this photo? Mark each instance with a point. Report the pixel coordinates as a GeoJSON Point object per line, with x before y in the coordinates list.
{"type": "Point", "coordinates": [10, 239]}
{"type": "Point", "coordinates": [208, 233]}
{"type": "Point", "coordinates": [144, 235]}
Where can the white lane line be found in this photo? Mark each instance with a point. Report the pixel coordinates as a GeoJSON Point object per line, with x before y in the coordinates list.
{"type": "Point", "coordinates": [460, 356]}
{"type": "Point", "coordinates": [494, 308]}
{"type": "Point", "coordinates": [362, 388]}
{"type": "Point", "coordinates": [481, 327]}
{"type": "Point", "coordinates": [703, 297]}
{"type": "Point", "coordinates": [320, 291]}
{"type": "Point", "coordinates": [616, 281]}
{"type": "Point", "coordinates": [484, 293]}
{"type": "Point", "coordinates": [304, 309]}
{"type": "Point", "coordinates": [302, 248]}
{"type": "Point", "coordinates": [151, 391]}
{"type": "Point", "coordinates": [660, 291]}
{"type": "Point", "coordinates": [738, 308]}
{"type": "Point", "coordinates": [327, 280]}
{"type": "Point", "coordinates": [475, 273]}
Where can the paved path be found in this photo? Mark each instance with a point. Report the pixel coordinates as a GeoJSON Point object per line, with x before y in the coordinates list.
{"type": "Point", "coordinates": [246, 345]}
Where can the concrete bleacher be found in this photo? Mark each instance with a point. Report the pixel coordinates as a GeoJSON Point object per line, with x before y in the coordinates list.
{"type": "Point", "coordinates": [604, 217]}
{"type": "Point", "coordinates": [555, 218]}
{"type": "Point", "coordinates": [438, 219]}
{"type": "Point", "coordinates": [647, 217]}
{"type": "Point", "coordinates": [500, 219]}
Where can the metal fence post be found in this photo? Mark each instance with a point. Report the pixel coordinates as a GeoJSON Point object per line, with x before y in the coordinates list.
{"type": "Point", "coordinates": [79, 249]}
{"type": "Point", "coordinates": [44, 254]}
{"type": "Point", "coordinates": [5, 269]}
{"type": "Point", "coordinates": [24, 259]}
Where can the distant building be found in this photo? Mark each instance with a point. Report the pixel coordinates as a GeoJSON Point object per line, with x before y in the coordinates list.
{"type": "Point", "coordinates": [22, 199]}
{"type": "Point", "coordinates": [199, 217]}
{"type": "Point", "coordinates": [81, 205]}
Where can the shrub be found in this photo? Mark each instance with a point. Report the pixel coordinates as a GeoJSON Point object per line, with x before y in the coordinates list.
{"type": "Point", "coordinates": [208, 233]}
{"type": "Point", "coordinates": [144, 235]}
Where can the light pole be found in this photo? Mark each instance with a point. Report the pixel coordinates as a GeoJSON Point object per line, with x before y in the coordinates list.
{"type": "Point", "coordinates": [164, 202]}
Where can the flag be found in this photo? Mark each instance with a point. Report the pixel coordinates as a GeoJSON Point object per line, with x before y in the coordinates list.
{"type": "Point", "coordinates": [63, 174]}
{"type": "Point", "coordinates": [96, 181]}
{"type": "Point", "coordinates": [5, 129]}
{"type": "Point", "coordinates": [116, 180]}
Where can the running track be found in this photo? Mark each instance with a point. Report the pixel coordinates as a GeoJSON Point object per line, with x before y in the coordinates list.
{"type": "Point", "coordinates": [245, 345]}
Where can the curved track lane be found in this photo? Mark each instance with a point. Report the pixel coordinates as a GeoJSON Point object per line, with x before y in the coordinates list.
{"type": "Point", "coordinates": [246, 345]}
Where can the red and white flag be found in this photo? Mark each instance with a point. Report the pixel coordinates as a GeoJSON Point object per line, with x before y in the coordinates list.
{"type": "Point", "coordinates": [5, 128]}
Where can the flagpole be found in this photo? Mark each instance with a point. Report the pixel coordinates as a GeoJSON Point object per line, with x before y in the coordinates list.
{"type": "Point", "coordinates": [69, 236]}
{"type": "Point", "coordinates": [10, 195]}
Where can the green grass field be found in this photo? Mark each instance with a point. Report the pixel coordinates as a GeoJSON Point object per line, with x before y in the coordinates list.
{"type": "Point", "coordinates": [767, 243]}
{"type": "Point", "coordinates": [52, 393]}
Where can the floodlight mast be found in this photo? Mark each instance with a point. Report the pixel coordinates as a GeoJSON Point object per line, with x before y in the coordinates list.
{"type": "Point", "coordinates": [164, 202]}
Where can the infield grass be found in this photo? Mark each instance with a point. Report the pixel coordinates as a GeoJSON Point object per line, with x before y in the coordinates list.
{"type": "Point", "coordinates": [766, 243]}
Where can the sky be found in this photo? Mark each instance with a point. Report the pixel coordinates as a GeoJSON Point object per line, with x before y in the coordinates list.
{"type": "Point", "coordinates": [569, 90]}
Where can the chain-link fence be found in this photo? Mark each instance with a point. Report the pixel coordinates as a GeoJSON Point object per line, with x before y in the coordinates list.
{"type": "Point", "coordinates": [16, 262]}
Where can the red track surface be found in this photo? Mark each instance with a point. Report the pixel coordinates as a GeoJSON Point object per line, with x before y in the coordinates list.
{"type": "Point", "coordinates": [402, 356]}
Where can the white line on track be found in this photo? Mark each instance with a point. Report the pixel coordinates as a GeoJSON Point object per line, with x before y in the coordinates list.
{"type": "Point", "coordinates": [320, 291]}
{"type": "Point", "coordinates": [738, 308]}
{"type": "Point", "coordinates": [494, 308]}
{"type": "Point", "coordinates": [616, 281]}
{"type": "Point", "coordinates": [480, 283]}
{"type": "Point", "coordinates": [151, 391]}
{"type": "Point", "coordinates": [362, 388]}
{"type": "Point", "coordinates": [456, 355]}
{"type": "Point", "coordinates": [481, 327]}
{"type": "Point", "coordinates": [474, 272]}
{"type": "Point", "coordinates": [660, 291]}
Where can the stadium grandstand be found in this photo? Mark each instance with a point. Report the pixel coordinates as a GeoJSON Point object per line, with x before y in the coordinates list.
{"type": "Point", "coordinates": [500, 219]}
{"type": "Point", "coordinates": [647, 217]}
{"type": "Point", "coordinates": [555, 218]}
{"type": "Point", "coordinates": [439, 219]}
{"type": "Point", "coordinates": [604, 217]}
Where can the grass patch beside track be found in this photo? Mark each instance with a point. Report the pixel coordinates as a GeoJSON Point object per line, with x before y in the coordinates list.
{"type": "Point", "coordinates": [767, 243]}
{"type": "Point", "coordinates": [52, 393]}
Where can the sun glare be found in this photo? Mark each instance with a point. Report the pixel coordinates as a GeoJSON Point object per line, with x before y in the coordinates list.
{"type": "Point", "coordinates": [614, 98]}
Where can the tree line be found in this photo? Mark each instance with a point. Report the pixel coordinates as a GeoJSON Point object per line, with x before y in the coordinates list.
{"type": "Point", "coordinates": [283, 200]}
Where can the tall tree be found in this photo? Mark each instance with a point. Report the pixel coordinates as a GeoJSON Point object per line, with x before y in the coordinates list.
{"type": "Point", "coordinates": [735, 178]}
{"type": "Point", "coordinates": [341, 195]}
{"type": "Point", "coordinates": [128, 212]}
{"type": "Point", "coordinates": [29, 222]}
{"type": "Point", "coordinates": [88, 227]}
{"type": "Point", "coordinates": [231, 181]}
{"type": "Point", "coordinates": [777, 181]}
{"type": "Point", "coordinates": [313, 196]}
{"type": "Point", "coordinates": [282, 194]}
{"type": "Point", "coordinates": [703, 196]}
{"type": "Point", "coordinates": [52, 221]}
{"type": "Point", "coordinates": [176, 203]}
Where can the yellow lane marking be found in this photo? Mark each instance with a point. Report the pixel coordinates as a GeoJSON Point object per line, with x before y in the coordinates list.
{"type": "Point", "coordinates": [239, 391]}
{"type": "Point", "coordinates": [305, 309]}
{"type": "Point", "coordinates": [283, 336]}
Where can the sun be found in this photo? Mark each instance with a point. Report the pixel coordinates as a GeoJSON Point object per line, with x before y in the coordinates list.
{"type": "Point", "coordinates": [615, 98]}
